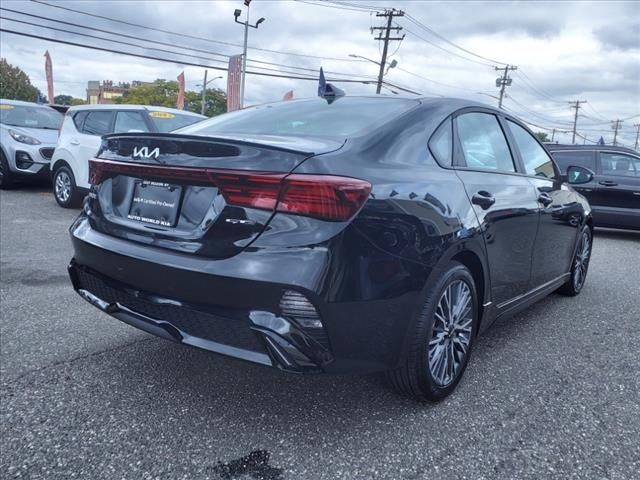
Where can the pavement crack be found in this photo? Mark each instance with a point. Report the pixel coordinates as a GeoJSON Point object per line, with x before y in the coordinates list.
{"type": "Point", "coordinates": [57, 363]}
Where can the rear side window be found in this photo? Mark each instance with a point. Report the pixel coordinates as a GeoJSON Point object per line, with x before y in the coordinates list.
{"type": "Point", "coordinates": [584, 159]}
{"type": "Point", "coordinates": [484, 145]}
{"type": "Point", "coordinates": [535, 158]}
{"type": "Point", "coordinates": [441, 144]}
{"type": "Point", "coordinates": [97, 123]}
{"type": "Point", "coordinates": [620, 164]}
{"type": "Point", "coordinates": [78, 119]}
{"type": "Point", "coordinates": [168, 122]}
{"type": "Point", "coordinates": [127, 121]}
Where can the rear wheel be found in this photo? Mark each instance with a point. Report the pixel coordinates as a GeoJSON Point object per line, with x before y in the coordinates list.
{"type": "Point", "coordinates": [579, 265]}
{"type": "Point", "coordinates": [64, 188]}
{"type": "Point", "coordinates": [6, 176]}
{"type": "Point", "coordinates": [442, 339]}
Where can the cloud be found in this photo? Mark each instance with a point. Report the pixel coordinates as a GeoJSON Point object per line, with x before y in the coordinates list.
{"type": "Point", "coordinates": [567, 50]}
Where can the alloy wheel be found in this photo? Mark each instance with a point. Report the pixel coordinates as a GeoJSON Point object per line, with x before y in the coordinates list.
{"type": "Point", "coordinates": [581, 261]}
{"type": "Point", "coordinates": [63, 186]}
{"type": "Point", "coordinates": [452, 329]}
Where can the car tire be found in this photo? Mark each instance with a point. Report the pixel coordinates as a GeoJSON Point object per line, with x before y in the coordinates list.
{"type": "Point", "coordinates": [6, 176]}
{"type": "Point", "coordinates": [579, 264]}
{"type": "Point", "coordinates": [435, 339]}
{"type": "Point", "coordinates": [65, 190]}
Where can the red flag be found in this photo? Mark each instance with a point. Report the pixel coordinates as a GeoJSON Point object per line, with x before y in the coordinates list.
{"type": "Point", "coordinates": [234, 77]}
{"type": "Point", "coordinates": [288, 95]}
{"type": "Point", "coordinates": [48, 69]}
{"type": "Point", "coordinates": [180, 102]}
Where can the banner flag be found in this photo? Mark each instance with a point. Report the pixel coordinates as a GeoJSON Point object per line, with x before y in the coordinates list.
{"type": "Point", "coordinates": [234, 77]}
{"type": "Point", "coordinates": [180, 102]}
{"type": "Point", "coordinates": [48, 69]}
{"type": "Point", "coordinates": [288, 95]}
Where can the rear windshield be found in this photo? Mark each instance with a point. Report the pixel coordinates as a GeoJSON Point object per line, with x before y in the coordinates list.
{"type": "Point", "coordinates": [169, 121]}
{"type": "Point", "coordinates": [31, 117]}
{"type": "Point", "coordinates": [343, 117]}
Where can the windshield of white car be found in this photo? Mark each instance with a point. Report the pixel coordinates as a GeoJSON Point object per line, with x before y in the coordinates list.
{"type": "Point", "coordinates": [30, 117]}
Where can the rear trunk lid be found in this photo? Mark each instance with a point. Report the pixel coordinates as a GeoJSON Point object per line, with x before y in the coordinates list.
{"type": "Point", "coordinates": [200, 195]}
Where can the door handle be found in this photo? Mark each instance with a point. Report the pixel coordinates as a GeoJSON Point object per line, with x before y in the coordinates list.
{"type": "Point", "coordinates": [74, 142]}
{"type": "Point", "coordinates": [483, 199]}
{"type": "Point", "coordinates": [608, 183]}
{"type": "Point", "coordinates": [545, 199]}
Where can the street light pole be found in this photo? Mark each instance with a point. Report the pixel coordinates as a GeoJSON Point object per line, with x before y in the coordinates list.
{"type": "Point", "coordinates": [246, 24]}
{"type": "Point", "coordinates": [244, 55]}
{"type": "Point", "coordinates": [204, 89]}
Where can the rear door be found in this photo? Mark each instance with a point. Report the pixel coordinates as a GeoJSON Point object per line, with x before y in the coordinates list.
{"type": "Point", "coordinates": [504, 201]}
{"type": "Point", "coordinates": [617, 194]}
{"type": "Point", "coordinates": [86, 142]}
{"type": "Point", "coordinates": [561, 215]}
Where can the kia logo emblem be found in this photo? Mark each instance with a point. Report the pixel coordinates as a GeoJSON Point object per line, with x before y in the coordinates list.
{"type": "Point", "coordinates": [144, 152]}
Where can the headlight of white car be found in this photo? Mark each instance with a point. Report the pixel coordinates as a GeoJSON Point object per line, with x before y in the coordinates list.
{"type": "Point", "coordinates": [19, 137]}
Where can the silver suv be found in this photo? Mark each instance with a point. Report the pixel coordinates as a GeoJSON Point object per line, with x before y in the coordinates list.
{"type": "Point", "coordinates": [28, 137]}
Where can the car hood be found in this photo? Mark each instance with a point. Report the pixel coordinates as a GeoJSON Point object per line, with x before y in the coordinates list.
{"type": "Point", "coordinates": [44, 135]}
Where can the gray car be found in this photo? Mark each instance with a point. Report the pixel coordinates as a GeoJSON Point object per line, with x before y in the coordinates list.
{"type": "Point", "coordinates": [28, 137]}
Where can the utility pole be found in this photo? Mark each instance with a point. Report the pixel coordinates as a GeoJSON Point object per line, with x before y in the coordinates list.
{"type": "Point", "coordinates": [504, 81]}
{"type": "Point", "coordinates": [575, 105]}
{"type": "Point", "coordinates": [616, 126]}
{"type": "Point", "coordinates": [246, 24]}
{"type": "Point", "coordinates": [389, 14]}
{"type": "Point", "coordinates": [637, 125]}
{"type": "Point", "coordinates": [553, 134]}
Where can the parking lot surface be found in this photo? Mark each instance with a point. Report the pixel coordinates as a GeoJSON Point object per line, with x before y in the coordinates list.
{"type": "Point", "coordinates": [551, 393]}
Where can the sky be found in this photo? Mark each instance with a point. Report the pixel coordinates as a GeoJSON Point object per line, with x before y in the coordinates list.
{"type": "Point", "coordinates": [564, 51]}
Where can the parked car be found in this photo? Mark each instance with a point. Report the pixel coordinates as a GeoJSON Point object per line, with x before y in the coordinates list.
{"type": "Point", "coordinates": [80, 136]}
{"type": "Point", "coordinates": [357, 235]}
{"type": "Point", "coordinates": [28, 136]}
{"type": "Point", "coordinates": [613, 186]}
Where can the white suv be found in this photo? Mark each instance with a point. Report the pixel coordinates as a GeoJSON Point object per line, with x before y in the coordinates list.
{"type": "Point", "coordinates": [81, 134]}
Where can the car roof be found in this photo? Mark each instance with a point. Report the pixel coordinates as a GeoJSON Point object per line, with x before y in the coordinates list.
{"type": "Point", "coordinates": [133, 107]}
{"type": "Point", "coordinates": [610, 148]}
{"type": "Point", "coordinates": [25, 104]}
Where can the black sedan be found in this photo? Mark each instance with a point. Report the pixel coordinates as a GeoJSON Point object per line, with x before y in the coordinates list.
{"type": "Point", "coordinates": [355, 234]}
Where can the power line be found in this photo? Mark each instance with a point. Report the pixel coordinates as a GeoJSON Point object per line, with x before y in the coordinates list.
{"type": "Point", "coordinates": [445, 50]}
{"type": "Point", "coordinates": [444, 39]}
{"type": "Point", "coordinates": [179, 62]}
{"type": "Point", "coordinates": [110, 32]}
{"type": "Point", "coordinates": [204, 39]}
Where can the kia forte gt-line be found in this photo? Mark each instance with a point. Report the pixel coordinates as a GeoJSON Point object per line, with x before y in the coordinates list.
{"type": "Point", "coordinates": [353, 234]}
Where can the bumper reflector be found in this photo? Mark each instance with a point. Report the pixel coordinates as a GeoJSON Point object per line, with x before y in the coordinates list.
{"type": "Point", "coordinates": [295, 305]}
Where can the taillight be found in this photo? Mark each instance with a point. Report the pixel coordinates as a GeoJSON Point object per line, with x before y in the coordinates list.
{"type": "Point", "coordinates": [326, 197]}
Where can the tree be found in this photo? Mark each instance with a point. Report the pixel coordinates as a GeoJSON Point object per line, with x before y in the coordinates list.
{"type": "Point", "coordinates": [543, 137]}
{"type": "Point", "coordinates": [16, 85]}
{"type": "Point", "coordinates": [163, 93]}
{"type": "Point", "coordinates": [67, 100]}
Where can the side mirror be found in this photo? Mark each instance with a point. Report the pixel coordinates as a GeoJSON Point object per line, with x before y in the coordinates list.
{"type": "Point", "coordinates": [579, 175]}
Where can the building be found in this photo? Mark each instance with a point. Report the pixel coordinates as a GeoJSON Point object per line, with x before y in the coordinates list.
{"type": "Point", "coordinates": [106, 92]}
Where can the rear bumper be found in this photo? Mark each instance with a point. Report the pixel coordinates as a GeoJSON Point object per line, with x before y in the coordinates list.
{"type": "Point", "coordinates": [231, 306]}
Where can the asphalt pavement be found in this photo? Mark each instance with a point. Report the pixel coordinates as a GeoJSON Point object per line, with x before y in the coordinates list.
{"type": "Point", "coordinates": [551, 393]}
